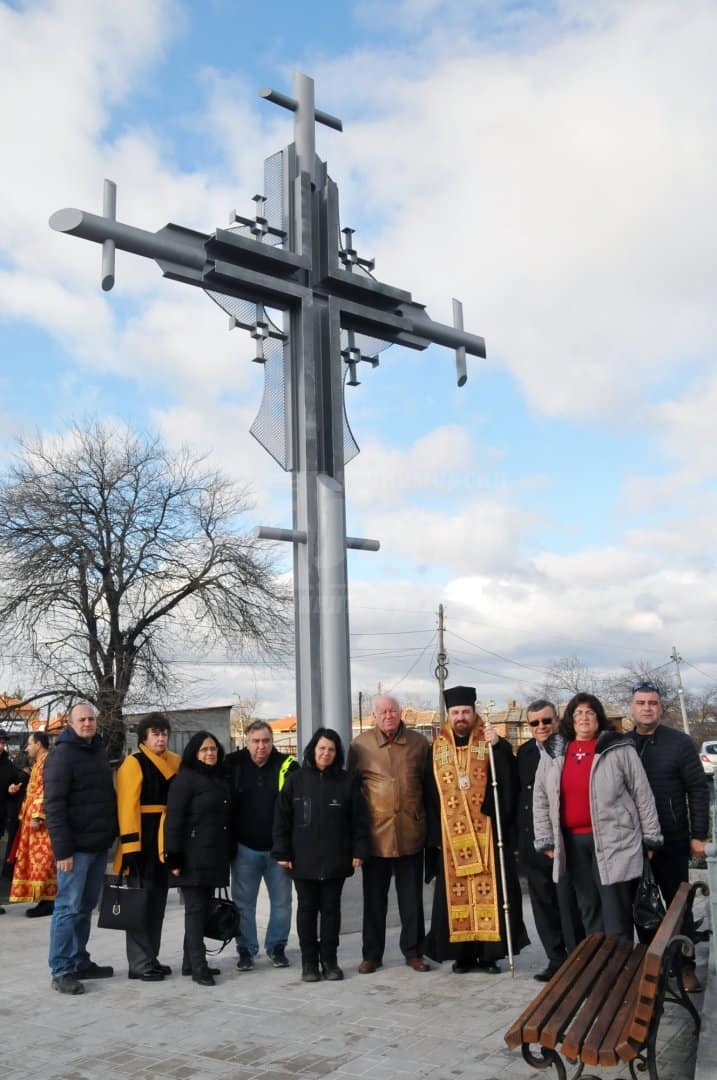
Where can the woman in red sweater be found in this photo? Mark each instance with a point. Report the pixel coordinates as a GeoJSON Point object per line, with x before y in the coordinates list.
{"type": "Point", "coordinates": [594, 814]}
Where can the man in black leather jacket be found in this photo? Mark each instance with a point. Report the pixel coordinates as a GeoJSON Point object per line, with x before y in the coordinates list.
{"type": "Point", "coordinates": [678, 782]}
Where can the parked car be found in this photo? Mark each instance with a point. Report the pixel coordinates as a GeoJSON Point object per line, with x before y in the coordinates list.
{"type": "Point", "coordinates": [708, 757]}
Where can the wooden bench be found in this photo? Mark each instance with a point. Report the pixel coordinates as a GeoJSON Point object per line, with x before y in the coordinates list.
{"type": "Point", "coordinates": [603, 1007]}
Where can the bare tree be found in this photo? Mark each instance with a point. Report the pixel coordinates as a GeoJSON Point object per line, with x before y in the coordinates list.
{"type": "Point", "coordinates": [110, 549]}
{"type": "Point", "coordinates": [702, 710]}
{"type": "Point", "coordinates": [566, 677]}
{"type": "Point", "coordinates": [620, 687]}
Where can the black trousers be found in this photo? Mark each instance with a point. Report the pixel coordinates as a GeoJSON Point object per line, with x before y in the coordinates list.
{"type": "Point", "coordinates": [603, 908]}
{"type": "Point", "coordinates": [143, 945]}
{"type": "Point", "coordinates": [196, 908]}
{"type": "Point", "coordinates": [555, 909]}
{"type": "Point", "coordinates": [318, 919]}
{"type": "Point", "coordinates": [407, 871]}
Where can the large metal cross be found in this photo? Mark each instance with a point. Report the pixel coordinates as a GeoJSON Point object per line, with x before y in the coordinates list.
{"type": "Point", "coordinates": [290, 258]}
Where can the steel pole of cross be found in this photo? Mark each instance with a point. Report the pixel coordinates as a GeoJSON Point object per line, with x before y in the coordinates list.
{"type": "Point", "coordinates": [501, 862]}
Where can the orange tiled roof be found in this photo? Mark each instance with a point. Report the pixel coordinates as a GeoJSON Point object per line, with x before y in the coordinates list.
{"type": "Point", "coordinates": [14, 704]}
{"type": "Point", "coordinates": [285, 723]}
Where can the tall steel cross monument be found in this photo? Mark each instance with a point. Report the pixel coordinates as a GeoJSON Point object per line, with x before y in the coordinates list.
{"type": "Point", "coordinates": [292, 259]}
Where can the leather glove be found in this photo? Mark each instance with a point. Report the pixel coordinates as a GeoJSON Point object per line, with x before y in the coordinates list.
{"type": "Point", "coordinates": [132, 863]}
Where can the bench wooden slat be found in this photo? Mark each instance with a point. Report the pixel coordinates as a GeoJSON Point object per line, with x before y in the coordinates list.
{"type": "Point", "coordinates": [554, 1029]}
{"type": "Point", "coordinates": [599, 1049]}
{"type": "Point", "coordinates": [600, 1007]}
{"type": "Point", "coordinates": [633, 1037]}
{"type": "Point", "coordinates": [602, 1001]}
{"type": "Point", "coordinates": [670, 926]}
{"type": "Point", "coordinates": [543, 1003]}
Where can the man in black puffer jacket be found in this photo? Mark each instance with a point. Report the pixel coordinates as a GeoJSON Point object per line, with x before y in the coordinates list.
{"type": "Point", "coordinates": [82, 819]}
{"type": "Point", "coordinates": [677, 779]}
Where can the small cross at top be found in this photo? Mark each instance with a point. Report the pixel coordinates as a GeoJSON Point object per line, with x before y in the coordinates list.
{"type": "Point", "coordinates": [306, 116]}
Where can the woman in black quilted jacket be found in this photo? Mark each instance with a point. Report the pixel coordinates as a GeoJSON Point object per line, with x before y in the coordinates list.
{"type": "Point", "coordinates": [196, 835]}
{"type": "Point", "coordinates": [320, 836]}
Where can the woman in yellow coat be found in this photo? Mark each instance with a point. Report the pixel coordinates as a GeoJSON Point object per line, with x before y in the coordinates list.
{"type": "Point", "coordinates": [143, 781]}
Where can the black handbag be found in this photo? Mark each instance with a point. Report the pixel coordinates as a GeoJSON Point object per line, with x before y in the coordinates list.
{"type": "Point", "coordinates": [648, 909]}
{"type": "Point", "coordinates": [222, 922]}
{"type": "Point", "coordinates": [123, 906]}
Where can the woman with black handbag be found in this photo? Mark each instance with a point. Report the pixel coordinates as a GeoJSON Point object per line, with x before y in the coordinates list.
{"type": "Point", "coordinates": [197, 843]}
{"type": "Point", "coordinates": [143, 782]}
{"type": "Point", "coordinates": [320, 836]}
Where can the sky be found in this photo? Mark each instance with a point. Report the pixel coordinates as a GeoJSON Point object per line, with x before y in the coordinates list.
{"type": "Point", "coordinates": [551, 164]}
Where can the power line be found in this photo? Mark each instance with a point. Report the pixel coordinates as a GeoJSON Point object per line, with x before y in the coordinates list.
{"type": "Point", "coordinates": [499, 656]}
{"type": "Point", "coordinates": [413, 665]}
{"type": "Point", "coordinates": [394, 610]}
{"type": "Point", "coordinates": [491, 674]}
{"type": "Point", "coordinates": [694, 666]}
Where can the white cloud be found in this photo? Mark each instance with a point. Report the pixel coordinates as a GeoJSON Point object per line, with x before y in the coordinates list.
{"type": "Point", "coordinates": [439, 464]}
{"type": "Point", "coordinates": [565, 194]}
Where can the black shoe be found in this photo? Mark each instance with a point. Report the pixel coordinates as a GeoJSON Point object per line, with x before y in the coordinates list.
{"type": "Point", "coordinates": [165, 969]}
{"type": "Point", "coordinates": [204, 978]}
{"type": "Point", "coordinates": [310, 973]}
{"type": "Point", "coordinates": [488, 967]}
{"type": "Point", "coordinates": [332, 972]}
{"type": "Point", "coordinates": [211, 970]}
{"type": "Point", "coordinates": [45, 907]}
{"type": "Point", "coordinates": [461, 969]}
{"type": "Point", "coordinates": [278, 957]}
{"type": "Point", "coordinates": [546, 974]}
{"type": "Point", "coordinates": [2, 910]}
{"type": "Point", "coordinates": [245, 961]}
{"type": "Point", "coordinates": [67, 984]}
{"type": "Point", "coordinates": [95, 971]}
{"type": "Point", "coordinates": [151, 975]}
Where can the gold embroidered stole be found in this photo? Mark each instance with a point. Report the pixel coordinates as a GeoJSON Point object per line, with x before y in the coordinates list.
{"type": "Point", "coordinates": [467, 839]}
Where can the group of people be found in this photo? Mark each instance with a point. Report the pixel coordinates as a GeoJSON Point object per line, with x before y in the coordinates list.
{"type": "Point", "coordinates": [594, 803]}
{"type": "Point", "coordinates": [582, 803]}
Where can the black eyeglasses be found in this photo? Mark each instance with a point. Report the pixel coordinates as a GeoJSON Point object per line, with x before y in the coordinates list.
{"type": "Point", "coordinates": [645, 684]}
{"type": "Point", "coordinates": [537, 723]}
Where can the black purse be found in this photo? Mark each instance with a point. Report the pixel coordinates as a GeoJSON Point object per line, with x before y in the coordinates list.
{"type": "Point", "coordinates": [222, 922]}
{"type": "Point", "coordinates": [123, 906]}
{"type": "Point", "coordinates": [648, 909]}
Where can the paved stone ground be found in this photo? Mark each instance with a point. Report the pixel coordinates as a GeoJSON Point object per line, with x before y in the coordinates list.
{"type": "Point", "coordinates": [268, 1025]}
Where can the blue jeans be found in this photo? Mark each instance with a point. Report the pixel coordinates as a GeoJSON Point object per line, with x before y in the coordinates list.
{"type": "Point", "coordinates": [78, 891]}
{"type": "Point", "coordinates": [248, 868]}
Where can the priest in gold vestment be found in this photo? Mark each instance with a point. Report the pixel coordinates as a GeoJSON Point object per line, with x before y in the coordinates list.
{"type": "Point", "coordinates": [34, 878]}
{"type": "Point", "coordinates": [468, 918]}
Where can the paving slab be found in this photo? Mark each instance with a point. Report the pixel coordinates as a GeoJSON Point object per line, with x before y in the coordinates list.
{"type": "Point", "coordinates": [268, 1025]}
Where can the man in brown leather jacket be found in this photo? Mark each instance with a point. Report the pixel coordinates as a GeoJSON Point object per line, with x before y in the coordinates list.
{"type": "Point", "coordinates": [393, 764]}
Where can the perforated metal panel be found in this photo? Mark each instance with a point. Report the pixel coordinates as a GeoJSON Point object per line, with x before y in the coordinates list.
{"type": "Point", "coordinates": [271, 425]}
{"type": "Point", "coordinates": [273, 192]}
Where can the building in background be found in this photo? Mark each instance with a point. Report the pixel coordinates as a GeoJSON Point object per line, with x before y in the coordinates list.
{"type": "Point", "coordinates": [185, 723]}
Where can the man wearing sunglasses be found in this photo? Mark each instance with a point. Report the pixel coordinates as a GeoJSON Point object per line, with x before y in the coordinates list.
{"type": "Point", "coordinates": [677, 779]}
{"type": "Point", "coordinates": [554, 908]}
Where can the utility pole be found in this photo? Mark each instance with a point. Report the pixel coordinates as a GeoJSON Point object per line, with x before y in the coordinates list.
{"type": "Point", "coordinates": [676, 658]}
{"type": "Point", "coordinates": [441, 671]}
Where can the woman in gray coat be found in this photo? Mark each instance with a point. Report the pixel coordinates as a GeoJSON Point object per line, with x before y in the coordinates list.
{"type": "Point", "coordinates": [594, 814]}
